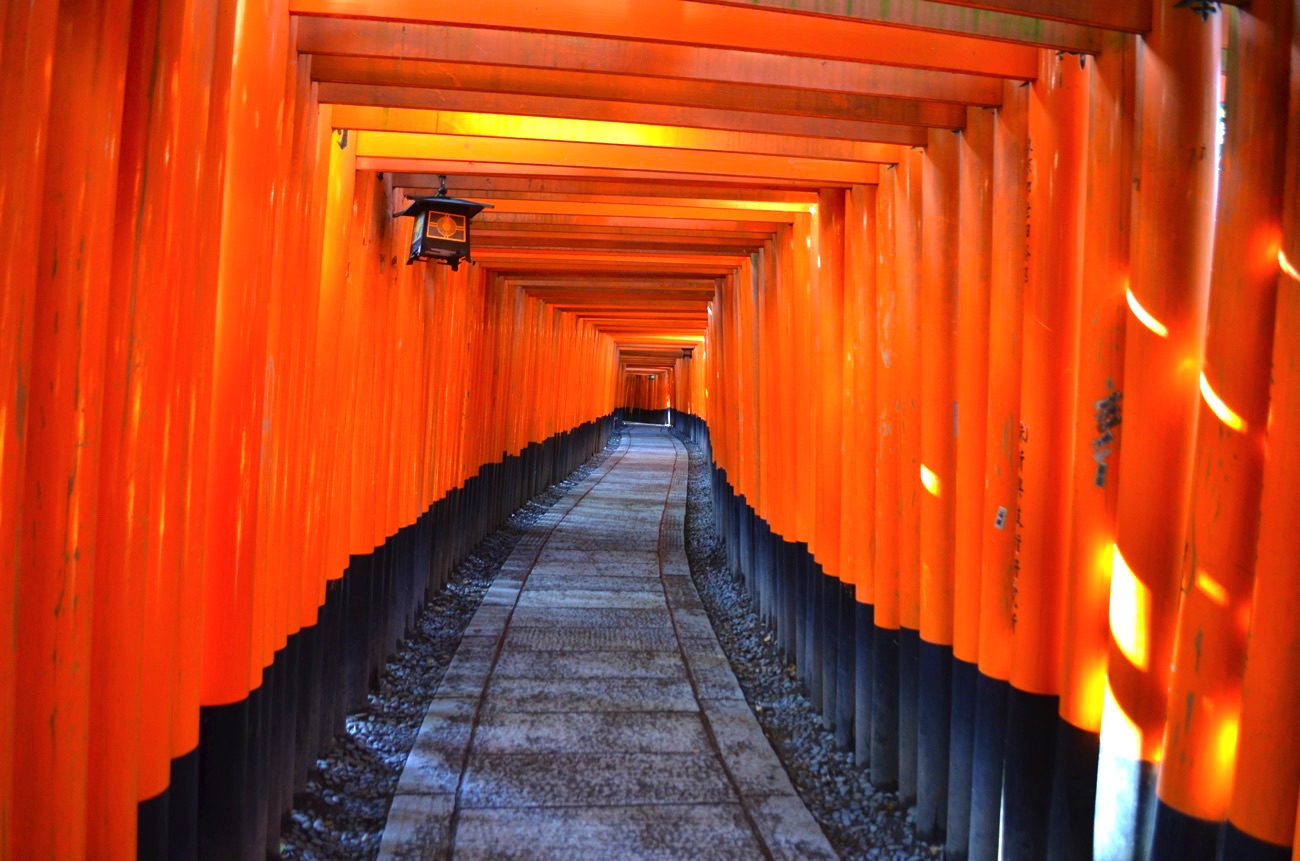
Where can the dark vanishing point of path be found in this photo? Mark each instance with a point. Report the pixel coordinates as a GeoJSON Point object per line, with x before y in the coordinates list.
{"type": "Point", "coordinates": [589, 711]}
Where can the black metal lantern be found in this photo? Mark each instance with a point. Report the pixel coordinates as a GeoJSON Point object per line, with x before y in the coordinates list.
{"type": "Point", "coordinates": [688, 352]}
{"type": "Point", "coordinates": [441, 226]}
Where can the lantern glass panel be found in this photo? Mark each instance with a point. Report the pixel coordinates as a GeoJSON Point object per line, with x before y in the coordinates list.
{"type": "Point", "coordinates": [417, 234]}
{"type": "Point", "coordinates": [447, 226]}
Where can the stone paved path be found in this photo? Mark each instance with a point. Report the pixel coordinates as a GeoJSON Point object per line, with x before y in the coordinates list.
{"type": "Point", "coordinates": [589, 712]}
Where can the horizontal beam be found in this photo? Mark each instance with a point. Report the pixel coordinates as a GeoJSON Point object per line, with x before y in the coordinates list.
{"type": "Point", "coordinates": [723, 261]}
{"type": "Point", "coordinates": [396, 147]}
{"type": "Point", "coordinates": [659, 239]}
{"type": "Point", "coordinates": [586, 172]}
{"type": "Point", "coordinates": [1129, 16]}
{"type": "Point", "coordinates": [1002, 26]}
{"type": "Point", "coordinates": [640, 246]}
{"type": "Point", "coordinates": [623, 112]}
{"type": "Point", "coordinates": [684, 22]}
{"type": "Point", "coordinates": [623, 286]}
{"type": "Point", "coordinates": [527, 220]}
{"type": "Point", "coordinates": [352, 38]}
{"type": "Point", "coordinates": [541, 187]}
{"type": "Point", "coordinates": [455, 123]}
{"type": "Point", "coordinates": [633, 88]}
{"type": "Point", "coordinates": [508, 205]}
{"type": "Point", "coordinates": [517, 262]}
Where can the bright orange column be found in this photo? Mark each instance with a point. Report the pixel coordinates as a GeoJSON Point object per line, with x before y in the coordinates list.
{"type": "Point", "coordinates": [331, 381]}
{"type": "Point", "coordinates": [999, 549]}
{"type": "Point", "coordinates": [938, 402]}
{"type": "Point", "coordinates": [239, 372]}
{"type": "Point", "coordinates": [64, 444]}
{"type": "Point", "coordinates": [199, 178]}
{"type": "Point", "coordinates": [1057, 123]}
{"type": "Point", "coordinates": [829, 309]}
{"type": "Point", "coordinates": [857, 492]}
{"type": "Point", "coordinates": [1266, 785]}
{"type": "Point", "coordinates": [1164, 344]}
{"type": "Point", "coordinates": [975, 247]}
{"type": "Point", "coordinates": [1267, 771]}
{"type": "Point", "coordinates": [798, 258]}
{"type": "Point", "coordinates": [1199, 754]}
{"type": "Point", "coordinates": [907, 262]}
{"type": "Point", "coordinates": [779, 264]}
{"type": "Point", "coordinates": [1099, 410]}
{"type": "Point", "coordinates": [26, 52]}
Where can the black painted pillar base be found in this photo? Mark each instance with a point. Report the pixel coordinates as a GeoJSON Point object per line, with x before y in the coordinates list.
{"type": "Point", "coordinates": [223, 738]}
{"type": "Point", "coordinates": [1240, 846]}
{"type": "Point", "coordinates": [812, 625]}
{"type": "Point", "coordinates": [152, 818]}
{"type": "Point", "coordinates": [986, 767]}
{"type": "Point", "coordinates": [799, 581]}
{"type": "Point", "coordinates": [909, 692]}
{"type": "Point", "coordinates": [863, 664]}
{"type": "Point", "coordinates": [933, 731]}
{"type": "Point", "coordinates": [828, 638]}
{"type": "Point", "coordinates": [845, 658]}
{"type": "Point", "coordinates": [792, 622]}
{"type": "Point", "coordinates": [884, 709]}
{"type": "Point", "coordinates": [1027, 789]}
{"type": "Point", "coordinates": [1074, 793]}
{"type": "Point", "coordinates": [961, 756]}
{"type": "Point", "coordinates": [183, 808]}
{"type": "Point", "coordinates": [1179, 837]}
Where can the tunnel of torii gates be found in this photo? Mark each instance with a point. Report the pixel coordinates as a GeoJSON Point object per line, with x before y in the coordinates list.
{"type": "Point", "coordinates": [998, 366]}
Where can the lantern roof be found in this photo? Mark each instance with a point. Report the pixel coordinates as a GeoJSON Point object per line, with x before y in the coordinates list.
{"type": "Point", "coordinates": [442, 203]}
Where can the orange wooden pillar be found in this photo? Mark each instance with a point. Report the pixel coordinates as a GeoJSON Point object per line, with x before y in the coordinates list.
{"type": "Point", "coordinates": [1262, 816]}
{"type": "Point", "coordinates": [799, 282]}
{"type": "Point", "coordinates": [334, 348]}
{"type": "Point", "coordinates": [937, 476]}
{"type": "Point", "coordinates": [1000, 521]}
{"type": "Point", "coordinates": [26, 51]}
{"type": "Point", "coordinates": [974, 253]}
{"type": "Point", "coordinates": [884, 665]}
{"type": "Point", "coordinates": [773, 458]}
{"type": "Point", "coordinates": [858, 491]}
{"type": "Point", "coordinates": [250, 61]}
{"type": "Point", "coordinates": [1164, 343]}
{"type": "Point", "coordinates": [1057, 125]}
{"type": "Point", "coordinates": [907, 349]}
{"type": "Point", "coordinates": [750, 432]}
{"type": "Point", "coordinates": [1096, 450]}
{"type": "Point", "coordinates": [132, 475]}
{"type": "Point", "coordinates": [828, 311]}
{"type": "Point", "coordinates": [1200, 744]}
{"type": "Point", "coordinates": [198, 178]}
{"type": "Point", "coordinates": [63, 433]}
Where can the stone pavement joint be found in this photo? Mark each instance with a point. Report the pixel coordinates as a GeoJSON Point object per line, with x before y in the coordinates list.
{"type": "Point", "coordinates": [589, 711]}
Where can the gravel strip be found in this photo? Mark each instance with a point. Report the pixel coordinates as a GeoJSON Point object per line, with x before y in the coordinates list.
{"type": "Point", "coordinates": [860, 821]}
{"type": "Point", "coordinates": [340, 815]}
